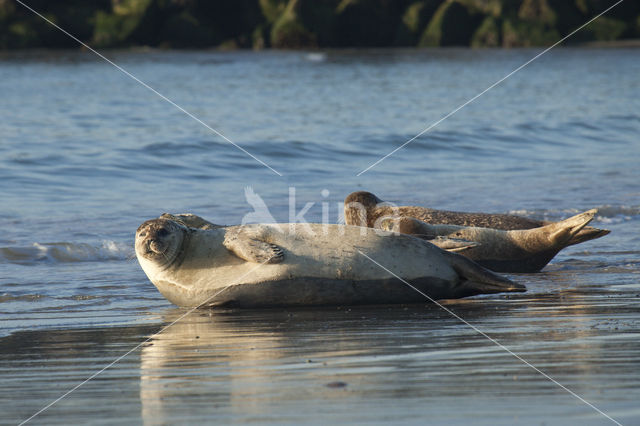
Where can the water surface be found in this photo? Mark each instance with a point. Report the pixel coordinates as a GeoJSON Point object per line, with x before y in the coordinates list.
{"type": "Point", "coordinates": [86, 155]}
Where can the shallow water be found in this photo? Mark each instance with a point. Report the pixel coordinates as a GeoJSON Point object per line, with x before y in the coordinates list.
{"type": "Point", "coordinates": [87, 154]}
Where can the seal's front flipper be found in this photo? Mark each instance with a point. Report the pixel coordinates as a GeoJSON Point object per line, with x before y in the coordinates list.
{"type": "Point", "coordinates": [408, 225]}
{"type": "Point", "coordinates": [455, 245]}
{"type": "Point", "coordinates": [252, 249]}
{"type": "Point", "coordinates": [423, 230]}
{"type": "Point", "coordinates": [190, 220]}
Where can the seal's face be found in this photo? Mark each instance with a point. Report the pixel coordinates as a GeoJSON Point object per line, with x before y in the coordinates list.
{"type": "Point", "coordinates": [358, 206]}
{"type": "Point", "coordinates": [389, 224]}
{"type": "Point", "coordinates": [159, 241]}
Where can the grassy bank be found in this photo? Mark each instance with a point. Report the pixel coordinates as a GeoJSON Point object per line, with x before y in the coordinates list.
{"type": "Point", "coordinates": [313, 23]}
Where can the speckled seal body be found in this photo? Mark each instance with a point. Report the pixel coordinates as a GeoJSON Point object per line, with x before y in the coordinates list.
{"type": "Point", "coordinates": [524, 250]}
{"type": "Point", "coordinates": [302, 264]}
{"type": "Point", "coordinates": [363, 208]}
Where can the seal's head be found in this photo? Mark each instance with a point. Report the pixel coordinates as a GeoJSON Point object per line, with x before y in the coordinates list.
{"type": "Point", "coordinates": [357, 206]}
{"type": "Point", "coordinates": [158, 241]}
{"type": "Point", "coordinates": [395, 224]}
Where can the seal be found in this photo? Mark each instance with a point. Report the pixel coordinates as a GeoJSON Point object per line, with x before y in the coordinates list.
{"type": "Point", "coordinates": [527, 250]}
{"type": "Point", "coordinates": [190, 220]}
{"type": "Point", "coordinates": [363, 208]}
{"type": "Point", "coordinates": [302, 264]}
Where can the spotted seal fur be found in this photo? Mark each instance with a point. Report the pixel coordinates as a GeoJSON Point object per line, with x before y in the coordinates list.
{"type": "Point", "coordinates": [524, 250]}
{"type": "Point", "coordinates": [363, 208]}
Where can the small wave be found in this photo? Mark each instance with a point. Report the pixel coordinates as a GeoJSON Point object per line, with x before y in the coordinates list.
{"type": "Point", "coordinates": [624, 117]}
{"type": "Point", "coordinates": [66, 252]}
{"type": "Point", "coordinates": [6, 297]}
{"type": "Point", "coordinates": [611, 214]}
{"type": "Point", "coordinates": [172, 149]}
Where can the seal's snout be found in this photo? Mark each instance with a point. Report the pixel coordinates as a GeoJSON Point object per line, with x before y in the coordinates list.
{"type": "Point", "coordinates": [156, 237]}
{"type": "Point", "coordinates": [157, 246]}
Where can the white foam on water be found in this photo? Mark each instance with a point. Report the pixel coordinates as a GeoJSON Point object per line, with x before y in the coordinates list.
{"type": "Point", "coordinates": [62, 252]}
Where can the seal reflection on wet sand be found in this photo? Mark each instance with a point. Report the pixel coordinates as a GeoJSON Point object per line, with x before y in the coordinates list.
{"type": "Point", "coordinates": [365, 364]}
{"type": "Point", "coordinates": [401, 364]}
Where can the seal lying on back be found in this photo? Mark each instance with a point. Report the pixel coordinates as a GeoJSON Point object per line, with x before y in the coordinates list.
{"type": "Point", "coordinates": [364, 209]}
{"type": "Point", "coordinates": [527, 250]}
{"type": "Point", "coordinates": [301, 264]}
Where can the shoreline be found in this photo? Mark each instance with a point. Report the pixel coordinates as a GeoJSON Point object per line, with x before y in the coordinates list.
{"type": "Point", "coordinates": [615, 44]}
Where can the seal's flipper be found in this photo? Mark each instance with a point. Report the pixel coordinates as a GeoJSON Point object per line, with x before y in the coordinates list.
{"type": "Point", "coordinates": [588, 233]}
{"type": "Point", "coordinates": [566, 230]}
{"type": "Point", "coordinates": [252, 249]}
{"type": "Point", "coordinates": [455, 245]}
{"type": "Point", "coordinates": [407, 225]}
{"type": "Point", "coordinates": [481, 280]}
{"type": "Point", "coordinates": [190, 220]}
{"type": "Point", "coordinates": [420, 229]}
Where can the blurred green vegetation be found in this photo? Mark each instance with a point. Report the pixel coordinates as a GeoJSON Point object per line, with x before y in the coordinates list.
{"type": "Point", "coordinates": [313, 23]}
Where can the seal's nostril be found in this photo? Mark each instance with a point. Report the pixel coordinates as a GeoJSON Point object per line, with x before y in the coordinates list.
{"type": "Point", "coordinates": [156, 246]}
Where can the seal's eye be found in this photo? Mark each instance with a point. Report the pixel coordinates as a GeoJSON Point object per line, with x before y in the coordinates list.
{"type": "Point", "coordinates": [162, 232]}
{"type": "Point", "coordinates": [142, 234]}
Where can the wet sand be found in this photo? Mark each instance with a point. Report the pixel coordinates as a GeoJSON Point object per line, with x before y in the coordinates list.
{"type": "Point", "coordinates": [388, 364]}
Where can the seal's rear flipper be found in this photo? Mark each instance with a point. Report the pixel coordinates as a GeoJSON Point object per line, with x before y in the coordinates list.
{"type": "Point", "coordinates": [566, 230]}
{"type": "Point", "coordinates": [588, 233]}
{"type": "Point", "coordinates": [252, 249]}
{"type": "Point", "coordinates": [480, 280]}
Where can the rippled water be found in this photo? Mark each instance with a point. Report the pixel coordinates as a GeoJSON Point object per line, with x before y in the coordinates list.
{"type": "Point", "coordinates": [87, 154]}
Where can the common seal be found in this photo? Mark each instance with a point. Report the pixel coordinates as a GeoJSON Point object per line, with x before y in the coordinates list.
{"type": "Point", "coordinates": [191, 220]}
{"type": "Point", "coordinates": [363, 208]}
{"type": "Point", "coordinates": [525, 250]}
{"type": "Point", "coordinates": [302, 264]}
